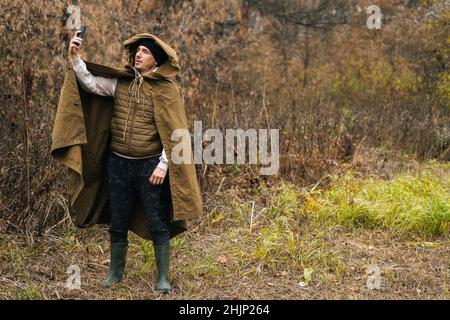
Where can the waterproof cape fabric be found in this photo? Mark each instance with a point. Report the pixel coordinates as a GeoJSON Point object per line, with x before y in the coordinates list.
{"type": "Point", "coordinates": [81, 141]}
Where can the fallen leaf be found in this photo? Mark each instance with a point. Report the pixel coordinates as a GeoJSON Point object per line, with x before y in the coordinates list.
{"type": "Point", "coordinates": [428, 244]}
{"type": "Point", "coordinates": [307, 274]}
{"type": "Point", "coordinates": [105, 262]}
{"type": "Point", "coordinates": [222, 260]}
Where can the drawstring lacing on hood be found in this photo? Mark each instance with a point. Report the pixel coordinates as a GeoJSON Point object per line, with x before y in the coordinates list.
{"type": "Point", "coordinates": [135, 90]}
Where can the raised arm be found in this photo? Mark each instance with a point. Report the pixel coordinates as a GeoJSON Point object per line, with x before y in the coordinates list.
{"type": "Point", "coordinates": [97, 85]}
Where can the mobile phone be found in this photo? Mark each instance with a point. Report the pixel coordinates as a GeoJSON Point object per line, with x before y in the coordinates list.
{"type": "Point", "coordinates": [82, 30]}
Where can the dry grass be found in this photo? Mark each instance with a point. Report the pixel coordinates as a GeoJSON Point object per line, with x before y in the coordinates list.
{"type": "Point", "coordinates": [207, 266]}
{"type": "Point", "coordinates": [262, 244]}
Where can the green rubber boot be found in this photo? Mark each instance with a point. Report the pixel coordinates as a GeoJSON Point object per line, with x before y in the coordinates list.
{"type": "Point", "coordinates": [162, 264]}
{"type": "Point", "coordinates": [117, 265]}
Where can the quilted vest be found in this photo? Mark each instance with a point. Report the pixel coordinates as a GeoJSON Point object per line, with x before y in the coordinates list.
{"type": "Point", "coordinates": [140, 138]}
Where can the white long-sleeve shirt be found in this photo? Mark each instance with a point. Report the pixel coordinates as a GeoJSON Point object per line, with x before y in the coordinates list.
{"type": "Point", "coordinates": [104, 87]}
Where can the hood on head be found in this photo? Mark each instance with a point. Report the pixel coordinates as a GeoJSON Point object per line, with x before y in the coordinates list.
{"type": "Point", "coordinates": [168, 69]}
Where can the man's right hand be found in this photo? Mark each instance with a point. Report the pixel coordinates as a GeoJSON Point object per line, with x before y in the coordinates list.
{"type": "Point", "coordinates": [75, 45]}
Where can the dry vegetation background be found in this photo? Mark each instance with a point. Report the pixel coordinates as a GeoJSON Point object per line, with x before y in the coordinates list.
{"type": "Point", "coordinates": [344, 97]}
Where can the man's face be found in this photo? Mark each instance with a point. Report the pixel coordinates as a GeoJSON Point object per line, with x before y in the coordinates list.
{"type": "Point", "coordinates": [144, 60]}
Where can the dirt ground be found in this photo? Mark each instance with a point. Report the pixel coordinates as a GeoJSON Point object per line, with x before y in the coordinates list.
{"type": "Point", "coordinates": [407, 269]}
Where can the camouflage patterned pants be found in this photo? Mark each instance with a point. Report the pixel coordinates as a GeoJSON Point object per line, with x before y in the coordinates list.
{"type": "Point", "coordinates": [127, 177]}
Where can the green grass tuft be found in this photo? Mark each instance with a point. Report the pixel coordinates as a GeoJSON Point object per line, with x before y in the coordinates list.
{"type": "Point", "coordinates": [406, 205]}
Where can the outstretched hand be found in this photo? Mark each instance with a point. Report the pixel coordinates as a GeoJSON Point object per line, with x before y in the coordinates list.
{"type": "Point", "coordinates": [75, 45]}
{"type": "Point", "coordinates": [157, 176]}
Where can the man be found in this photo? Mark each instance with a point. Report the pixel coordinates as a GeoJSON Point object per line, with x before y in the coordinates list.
{"type": "Point", "coordinates": [132, 166]}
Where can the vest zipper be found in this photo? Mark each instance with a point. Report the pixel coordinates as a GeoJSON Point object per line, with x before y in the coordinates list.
{"type": "Point", "coordinates": [131, 126]}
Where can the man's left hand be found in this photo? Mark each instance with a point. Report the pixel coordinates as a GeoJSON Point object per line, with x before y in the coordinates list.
{"type": "Point", "coordinates": [157, 176]}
